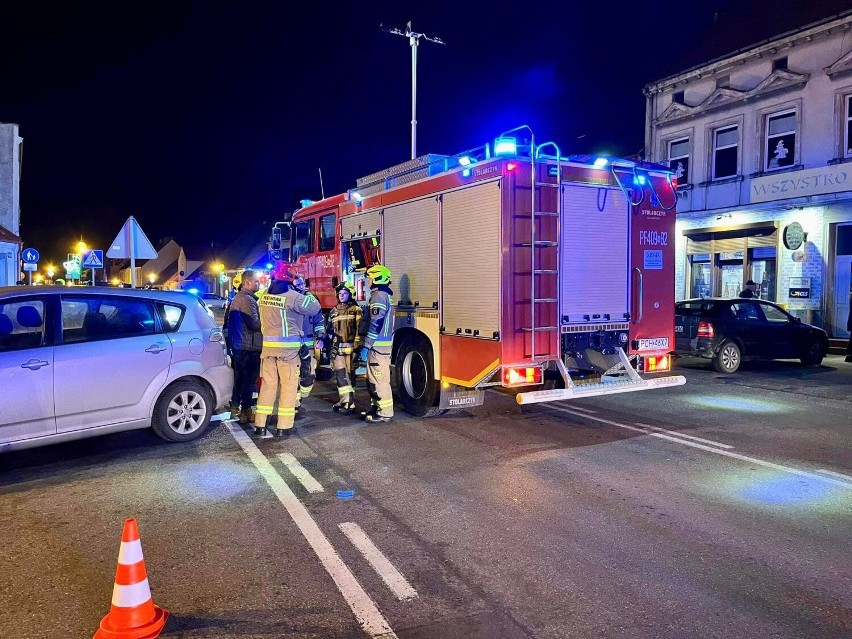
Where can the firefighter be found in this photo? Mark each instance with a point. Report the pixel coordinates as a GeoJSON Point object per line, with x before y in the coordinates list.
{"type": "Point", "coordinates": [282, 313]}
{"type": "Point", "coordinates": [344, 320]}
{"type": "Point", "coordinates": [376, 331]}
{"type": "Point", "coordinates": [313, 339]}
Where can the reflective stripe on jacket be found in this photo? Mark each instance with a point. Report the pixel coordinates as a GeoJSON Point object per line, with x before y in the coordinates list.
{"type": "Point", "coordinates": [282, 318]}
{"type": "Point", "coordinates": [377, 324]}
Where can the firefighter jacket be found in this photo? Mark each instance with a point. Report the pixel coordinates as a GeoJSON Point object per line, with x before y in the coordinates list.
{"type": "Point", "coordinates": [314, 326]}
{"type": "Point", "coordinates": [344, 321]}
{"type": "Point", "coordinates": [282, 319]}
{"type": "Point", "coordinates": [376, 329]}
{"type": "Point", "coordinates": [243, 322]}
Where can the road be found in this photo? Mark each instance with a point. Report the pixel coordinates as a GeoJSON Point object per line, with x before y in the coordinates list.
{"type": "Point", "coordinates": [722, 508]}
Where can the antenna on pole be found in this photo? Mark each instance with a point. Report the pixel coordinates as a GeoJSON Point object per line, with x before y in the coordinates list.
{"type": "Point", "coordinates": [322, 189]}
{"type": "Point", "coordinates": [414, 41]}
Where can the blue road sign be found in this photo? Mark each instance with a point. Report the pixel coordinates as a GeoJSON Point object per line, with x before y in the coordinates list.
{"type": "Point", "coordinates": [30, 256]}
{"type": "Point", "coordinates": [94, 259]}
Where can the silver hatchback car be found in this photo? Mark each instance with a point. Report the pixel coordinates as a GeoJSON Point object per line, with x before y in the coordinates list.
{"type": "Point", "coordinates": [78, 362]}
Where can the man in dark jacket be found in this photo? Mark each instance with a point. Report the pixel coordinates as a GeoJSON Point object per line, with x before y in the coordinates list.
{"type": "Point", "coordinates": [245, 339]}
{"type": "Point", "coordinates": [750, 290]}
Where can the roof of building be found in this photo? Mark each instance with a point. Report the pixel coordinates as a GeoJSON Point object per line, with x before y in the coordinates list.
{"type": "Point", "coordinates": [249, 248]}
{"type": "Point", "coordinates": [7, 236]}
{"type": "Point", "coordinates": [742, 26]}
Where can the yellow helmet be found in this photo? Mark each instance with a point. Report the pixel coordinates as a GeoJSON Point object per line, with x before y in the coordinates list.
{"type": "Point", "coordinates": [238, 279]}
{"type": "Point", "coordinates": [379, 274]}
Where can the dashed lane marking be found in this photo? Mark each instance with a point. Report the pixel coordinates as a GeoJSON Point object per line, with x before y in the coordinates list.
{"type": "Point", "coordinates": [364, 608]}
{"type": "Point", "coordinates": [300, 473]}
{"type": "Point", "coordinates": [384, 568]}
{"type": "Point", "coordinates": [716, 451]}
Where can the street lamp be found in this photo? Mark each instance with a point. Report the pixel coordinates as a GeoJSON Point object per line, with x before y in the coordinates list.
{"type": "Point", "coordinates": [218, 268]}
{"type": "Point", "coordinates": [152, 278]}
{"type": "Point", "coordinates": [414, 41]}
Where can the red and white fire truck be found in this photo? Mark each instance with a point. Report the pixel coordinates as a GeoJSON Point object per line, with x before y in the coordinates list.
{"type": "Point", "coordinates": [512, 266]}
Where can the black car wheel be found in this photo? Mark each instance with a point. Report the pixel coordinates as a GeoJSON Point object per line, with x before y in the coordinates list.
{"type": "Point", "coordinates": [814, 354]}
{"type": "Point", "coordinates": [728, 358]}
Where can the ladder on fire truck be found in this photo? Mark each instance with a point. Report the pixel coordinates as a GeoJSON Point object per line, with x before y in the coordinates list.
{"type": "Point", "coordinates": [538, 186]}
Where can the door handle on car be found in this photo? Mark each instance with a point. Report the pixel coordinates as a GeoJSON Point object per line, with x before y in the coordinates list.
{"type": "Point", "coordinates": [35, 364]}
{"type": "Point", "coordinates": [155, 348]}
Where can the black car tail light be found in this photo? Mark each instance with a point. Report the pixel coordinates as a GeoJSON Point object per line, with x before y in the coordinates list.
{"type": "Point", "coordinates": [705, 329]}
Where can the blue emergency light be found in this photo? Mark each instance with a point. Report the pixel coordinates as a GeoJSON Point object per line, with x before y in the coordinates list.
{"type": "Point", "coordinates": [505, 146]}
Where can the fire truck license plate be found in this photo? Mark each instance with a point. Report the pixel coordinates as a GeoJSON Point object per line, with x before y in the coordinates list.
{"type": "Point", "coordinates": [653, 343]}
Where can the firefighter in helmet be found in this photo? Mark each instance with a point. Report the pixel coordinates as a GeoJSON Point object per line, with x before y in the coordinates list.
{"type": "Point", "coordinates": [313, 340]}
{"type": "Point", "coordinates": [376, 331]}
{"type": "Point", "coordinates": [282, 313]}
{"type": "Point", "coordinates": [344, 320]}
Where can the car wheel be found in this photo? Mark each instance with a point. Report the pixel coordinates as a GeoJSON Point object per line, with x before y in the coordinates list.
{"type": "Point", "coordinates": [814, 354]}
{"type": "Point", "coordinates": [728, 358]}
{"type": "Point", "coordinates": [415, 374]}
{"type": "Point", "coordinates": [182, 412]}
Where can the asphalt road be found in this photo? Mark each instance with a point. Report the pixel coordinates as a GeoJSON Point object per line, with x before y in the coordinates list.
{"type": "Point", "coordinates": [722, 508]}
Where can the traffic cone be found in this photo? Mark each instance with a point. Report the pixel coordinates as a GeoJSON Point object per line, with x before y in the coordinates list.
{"type": "Point", "coordinates": [133, 614]}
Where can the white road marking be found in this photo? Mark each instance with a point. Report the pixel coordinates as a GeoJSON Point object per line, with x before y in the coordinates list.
{"type": "Point", "coordinates": [831, 472]}
{"type": "Point", "coordinates": [381, 564]}
{"type": "Point", "coordinates": [585, 410]}
{"type": "Point", "coordinates": [724, 453]}
{"type": "Point", "coordinates": [364, 609]}
{"type": "Point", "coordinates": [300, 473]}
{"type": "Point", "coordinates": [677, 434]}
{"type": "Point", "coordinates": [221, 417]}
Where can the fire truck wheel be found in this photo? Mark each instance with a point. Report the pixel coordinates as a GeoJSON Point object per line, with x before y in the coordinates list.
{"type": "Point", "coordinates": [416, 384]}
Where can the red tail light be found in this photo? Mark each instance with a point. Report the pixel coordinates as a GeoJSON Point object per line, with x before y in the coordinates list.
{"type": "Point", "coordinates": [657, 364]}
{"type": "Point", "coordinates": [705, 329]}
{"type": "Point", "coordinates": [521, 375]}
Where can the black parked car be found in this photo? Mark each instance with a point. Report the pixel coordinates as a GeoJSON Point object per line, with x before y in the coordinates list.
{"type": "Point", "coordinates": [726, 331]}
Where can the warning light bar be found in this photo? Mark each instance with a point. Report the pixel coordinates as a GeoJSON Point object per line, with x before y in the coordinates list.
{"type": "Point", "coordinates": [521, 375]}
{"type": "Point", "coordinates": [657, 364]}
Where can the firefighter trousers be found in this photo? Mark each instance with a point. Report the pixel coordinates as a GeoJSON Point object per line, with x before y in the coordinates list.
{"type": "Point", "coordinates": [307, 374]}
{"type": "Point", "coordinates": [277, 391]}
{"type": "Point", "coordinates": [342, 365]}
{"type": "Point", "coordinates": [379, 383]}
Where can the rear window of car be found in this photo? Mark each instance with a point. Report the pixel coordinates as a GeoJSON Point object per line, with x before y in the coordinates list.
{"type": "Point", "coordinates": [21, 324]}
{"type": "Point", "coordinates": [694, 309]}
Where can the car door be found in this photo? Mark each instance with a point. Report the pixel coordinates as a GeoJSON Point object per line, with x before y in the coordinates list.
{"type": "Point", "coordinates": [26, 369]}
{"type": "Point", "coordinates": [750, 327]}
{"type": "Point", "coordinates": [111, 363]}
{"type": "Point", "coordinates": [781, 333]}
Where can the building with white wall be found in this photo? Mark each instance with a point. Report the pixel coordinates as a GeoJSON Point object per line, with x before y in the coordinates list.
{"type": "Point", "coordinates": [761, 141]}
{"type": "Point", "coordinates": [11, 145]}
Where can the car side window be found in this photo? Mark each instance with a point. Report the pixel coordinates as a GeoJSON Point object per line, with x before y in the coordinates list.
{"type": "Point", "coordinates": [92, 318]}
{"type": "Point", "coordinates": [21, 325]}
{"type": "Point", "coordinates": [746, 312]}
{"type": "Point", "coordinates": [171, 316]}
{"type": "Point", "coordinates": [774, 315]}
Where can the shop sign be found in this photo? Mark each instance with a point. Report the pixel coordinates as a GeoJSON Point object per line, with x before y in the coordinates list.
{"type": "Point", "coordinates": [820, 181]}
{"type": "Point", "coordinates": [800, 288]}
{"type": "Point", "coordinates": [794, 236]}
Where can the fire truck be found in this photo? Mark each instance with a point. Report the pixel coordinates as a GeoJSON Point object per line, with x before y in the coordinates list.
{"type": "Point", "coordinates": [513, 266]}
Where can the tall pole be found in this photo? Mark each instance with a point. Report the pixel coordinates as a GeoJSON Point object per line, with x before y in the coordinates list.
{"type": "Point", "coordinates": [132, 244]}
{"type": "Point", "coordinates": [414, 41]}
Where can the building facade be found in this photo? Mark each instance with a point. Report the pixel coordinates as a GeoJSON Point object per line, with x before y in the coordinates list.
{"type": "Point", "coordinates": [11, 145]}
{"type": "Point", "coordinates": [761, 144]}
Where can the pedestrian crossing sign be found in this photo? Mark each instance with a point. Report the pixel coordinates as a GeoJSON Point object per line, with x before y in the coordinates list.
{"type": "Point", "coordinates": [94, 259]}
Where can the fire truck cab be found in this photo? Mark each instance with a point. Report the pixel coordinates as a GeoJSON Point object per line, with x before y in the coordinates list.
{"type": "Point", "coordinates": [512, 266]}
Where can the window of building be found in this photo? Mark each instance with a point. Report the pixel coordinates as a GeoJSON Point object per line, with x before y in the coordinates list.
{"type": "Point", "coordinates": [303, 239]}
{"type": "Point", "coordinates": [723, 82]}
{"type": "Point", "coordinates": [679, 160]}
{"type": "Point", "coordinates": [725, 152]}
{"type": "Point", "coordinates": [677, 96]}
{"type": "Point", "coordinates": [92, 318]}
{"type": "Point", "coordinates": [328, 228]}
{"type": "Point", "coordinates": [780, 140]}
{"type": "Point", "coordinates": [848, 127]}
{"type": "Point", "coordinates": [21, 325]}
{"type": "Point", "coordinates": [779, 64]}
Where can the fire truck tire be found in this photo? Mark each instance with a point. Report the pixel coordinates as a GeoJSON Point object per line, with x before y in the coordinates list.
{"type": "Point", "coordinates": [415, 376]}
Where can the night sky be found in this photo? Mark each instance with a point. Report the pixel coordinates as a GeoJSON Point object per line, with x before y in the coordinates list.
{"type": "Point", "coordinates": [201, 117]}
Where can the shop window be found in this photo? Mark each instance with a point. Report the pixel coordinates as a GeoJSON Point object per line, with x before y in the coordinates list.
{"type": "Point", "coordinates": [848, 127]}
{"type": "Point", "coordinates": [328, 228]}
{"type": "Point", "coordinates": [780, 150]}
{"type": "Point", "coordinates": [702, 275]}
{"type": "Point", "coordinates": [679, 160]}
{"type": "Point", "coordinates": [726, 143]}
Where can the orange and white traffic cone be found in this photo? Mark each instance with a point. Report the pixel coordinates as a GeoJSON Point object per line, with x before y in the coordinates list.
{"type": "Point", "coordinates": [133, 614]}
